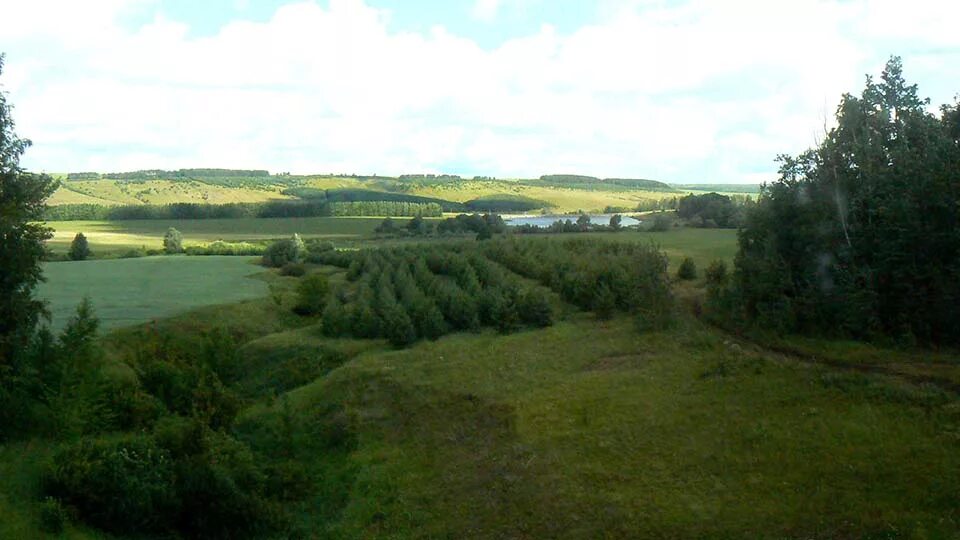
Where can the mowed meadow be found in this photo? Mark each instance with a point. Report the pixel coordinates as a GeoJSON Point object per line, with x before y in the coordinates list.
{"type": "Point", "coordinates": [115, 236]}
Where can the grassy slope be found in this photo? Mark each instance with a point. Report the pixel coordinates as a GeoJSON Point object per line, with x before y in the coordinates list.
{"type": "Point", "coordinates": [588, 429]}
{"type": "Point", "coordinates": [163, 192]}
{"type": "Point", "coordinates": [110, 192]}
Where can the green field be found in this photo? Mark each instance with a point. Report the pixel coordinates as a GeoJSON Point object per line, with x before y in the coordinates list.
{"type": "Point", "coordinates": [132, 291]}
{"type": "Point", "coordinates": [702, 245]}
{"type": "Point", "coordinates": [119, 235]}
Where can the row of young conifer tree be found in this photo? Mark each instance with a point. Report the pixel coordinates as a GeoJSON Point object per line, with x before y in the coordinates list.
{"type": "Point", "coordinates": [425, 292]}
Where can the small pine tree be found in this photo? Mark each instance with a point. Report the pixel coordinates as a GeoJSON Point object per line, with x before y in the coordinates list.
{"type": "Point", "coordinates": [687, 269]}
{"type": "Point", "coordinates": [173, 241]}
{"type": "Point", "coordinates": [312, 294]}
{"type": "Point", "coordinates": [534, 308]}
{"type": "Point", "coordinates": [79, 248]}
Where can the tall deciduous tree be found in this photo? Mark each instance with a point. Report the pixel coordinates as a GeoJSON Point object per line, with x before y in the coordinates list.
{"type": "Point", "coordinates": [860, 236]}
{"type": "Point", "coordinates": [173, 241]}
{"type": "Point", "coordinates": [22, 198]}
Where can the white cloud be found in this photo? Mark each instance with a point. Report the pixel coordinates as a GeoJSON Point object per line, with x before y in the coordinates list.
{"type": "Point", "coordinates": [701, 91]}
{"type": "Point", "coordinates": [485, 10]}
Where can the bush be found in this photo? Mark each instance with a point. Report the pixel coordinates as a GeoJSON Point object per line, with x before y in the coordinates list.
{"type": "Point", "coordinates": [661, 223]}
{"type": "Point", "coordinates": [133, 253]}
{"type": "Point", "coordinates": [320, 246]}
{"type": "Point", "coordinates": [293, 269]}
{"type": "Point", "coordinates": [687, 269]}
{"type": "Point", "coordinates": [283, 251]}
{"type": "Point", "coordinates": [172, 241]}
{"type": "Point", "coordinates": [79, 249]}
{"type": "Point", "coordinates": [53, 516]}
{"type": "Point", "coordinates": [124, 485]}
{"type": "Point", "coordinates": [220, 247]}
{"type": "Point", "coordinates": [312, 294]}
{"type": "Point", "coordinates": [534, 308]}
{"type": "Point", "coordinates": [716, 274]}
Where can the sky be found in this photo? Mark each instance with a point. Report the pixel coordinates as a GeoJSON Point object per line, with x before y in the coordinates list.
{"type": "Point", "coordinates": [682, 91]}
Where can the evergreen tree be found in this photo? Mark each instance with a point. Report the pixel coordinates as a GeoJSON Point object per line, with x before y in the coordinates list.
{"type": "Point", "coordinates": [859, 236]}
{"type": "Point", "coordinates": [79, 249]}
{"type": "Point", "coordinates": [22, 236]}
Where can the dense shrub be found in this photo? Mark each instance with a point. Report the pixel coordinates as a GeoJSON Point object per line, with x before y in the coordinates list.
{"type": "Point", "coordinates": [711, 210]}
{"type": "Point", "coordinates": [281, 252]}
{"type": "Point", "coordinates": [687, 269]}
{"type": "Point", "coordinates": [124, 485]}
{"type": "Point", "coordinates": [312, 294]}
{"type": "Point", "coordinates": [220, 247]}
{"type": "Point", "coordinates": [661, 223]}
{"type": "Point", "coordinates": [293, 269]}
{"type": "Point", "coordinates": [53, 516]}
{"type": "Point", "coordinates": [603, 276]}
{"type": "Point", "coordinates": [79, 248]}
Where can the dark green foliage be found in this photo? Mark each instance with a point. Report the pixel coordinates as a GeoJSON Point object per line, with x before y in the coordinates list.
{"type": "Point", "coordinates": [282, 252]}
{"type": "Point", "coordinates": [419, 226]}
{"type": "Point", "coordinates": [687, 269]}
{"type": "Point", "coordinates": [153, 174]}
{"type": "Point", "coordinates": [219, 247]}
{"type": "Point", "coordinates": [716, 274]}
{"type": "Point", "coordinates": [426, 291]}
{"type": "Point", "coordinates": [172, 241]}
{"type": "Point", "coordinates": [319, 246]}
{"type": "Point", "coordinates": [661, 223]}
{"type": "Point", "coordinates": [505, 203]}
{"type": "Point", "coordinates": [575, 181]}
{"type": "Point", "coordinates": [123, 485]}
{"type": "Point", "coordinates": [387, 226]}
{"type": "Point", "coordinates": [22, 199]}
{"type": "Point", "coordinates": [79, 248]}
{"type": "Point", "coordinates": [293, 269]}
{"type": "Point", "coordinates": [590, 274]}
{"type": "Point", "coordinates": [604, 302]}
{"type": "Point", "coordinates": [270, 209]}
{"type": "Point", "coordinates": [534, 308]}
{"type": "Point", "coordinates": [859, 236]}
{"type": "Point", "coordinates": [53, 516]}
{"type": "Point", "coordinates": [312, 294]}
{"type": "Point", "coordinates": [364, 195]}
{"type": "Point", "coordinates": [385, 208]}
{"type": "Point", "coordinates": [711, 210]}
{"type": "Point", "coordinates": [615, 221]}
{"type": "Point", "coordinates": [476, 223]}
{"type": "Point", "coordinates": [336, 318]}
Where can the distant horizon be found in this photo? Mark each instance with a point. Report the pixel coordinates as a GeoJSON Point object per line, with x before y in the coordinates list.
{"type": "Point", "coordinates": [463, 176]}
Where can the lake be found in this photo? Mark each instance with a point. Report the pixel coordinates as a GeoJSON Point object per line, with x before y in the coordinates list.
{"type": "Point", "coordinates": [546, 221]}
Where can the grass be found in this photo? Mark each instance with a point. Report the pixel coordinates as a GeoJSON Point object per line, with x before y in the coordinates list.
{"type": "Point", "coordinates": [106, 236]}
{"type": "Point", "coordinates": [110, 192]}
{"type": "Point", "coordinates": [588, 430]}
{"type": "Point", "coordinates": [113, 192]}
{"type": "Point", "coordinates": [702, 245]}
{"type": "Point", "coordinates": [130, 291]}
